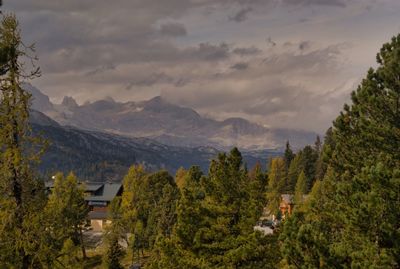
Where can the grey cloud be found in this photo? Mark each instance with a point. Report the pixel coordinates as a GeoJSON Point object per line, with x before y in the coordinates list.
{"type": "Point", "coordinates": [101, 69]}
{"type": "Point", "coordinates": [156, 78]}
{"type": "Point", "coordinates": [77, 40]}
{"type": "Point", "coordinates": [240, 66]}
{"type": "Point", "coordinates": [207, 51]}
{"type": "Point", "coordinates": [322, 60]}
{"type": "Point", "coordinates": [247, 51]}
{"type": "Point", "coordinates": [173, 29]}
{"type": "Point", "coordinates": [274, 92]}
{"type": "Point", "coordinates": [338, 3]}
{"type": "Point", "coordinates": [241, 15]}
{"type": "Point", "coordinates": [152, 79]}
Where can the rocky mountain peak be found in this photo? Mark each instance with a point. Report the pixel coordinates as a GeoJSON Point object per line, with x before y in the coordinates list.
{"type": "Point", "coordinates": [69, 102]}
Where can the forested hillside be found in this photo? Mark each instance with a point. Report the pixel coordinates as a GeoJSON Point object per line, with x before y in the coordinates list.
{"type": "Point", "coordinates": [100, 157]}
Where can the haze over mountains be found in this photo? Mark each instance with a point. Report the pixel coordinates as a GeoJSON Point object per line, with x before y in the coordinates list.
{"type": "Point", "coordinates": [99, 156]}
{"type": "Point", "coordinates": [166, 123]}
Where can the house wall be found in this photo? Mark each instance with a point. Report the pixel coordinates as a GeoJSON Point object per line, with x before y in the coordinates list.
{"type": "Point", "coordinates": [99, 208]}
{"type": "Point", "coordinates": [98, 225]}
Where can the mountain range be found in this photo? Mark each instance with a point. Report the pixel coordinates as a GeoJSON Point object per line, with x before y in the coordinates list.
{"type": "Point", "coordinates": [99, 156]}
{"type": "Point", "coordinates": [166, 123]}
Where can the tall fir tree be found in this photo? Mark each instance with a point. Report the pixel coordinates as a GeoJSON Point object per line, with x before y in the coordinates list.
{"type": "Point", "coordinates": [114, 235]}
{"type": "Point", "coordinates": [295, 169]}
{"type": "Point", "coordinates": [352, 220]}
{"type": "Point", "coordinates": [21, 193]}
{"type": "Point", "coordinates": [288, 155]}
{"type": "Point", "coordinates": [66, 213]}
{"type": "Point", "coordinates": [132, 205]}
{"type": "Point", "coordinates": [276, 184]}
{"type": "Point", "coordinates": [301, 189]}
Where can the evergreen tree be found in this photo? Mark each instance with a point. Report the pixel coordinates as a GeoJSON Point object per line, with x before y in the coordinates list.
{"type": "Point", "coordinates": [301, 189]}
{"type": "Point", "coordinates": [21, 193]}
{"type": "Point", "coordinates": [309, 157]}
{"type": "Point", "coordinates": [149, 208]}
{"type": "Point", "coordinates": [132, 201]}
{"type": "Point", "coordinates": [257, 188]}
{"type": "Point", "coordinates": [325, 155]}
{"type": "Point", "coordinates": [276, 184]}
{"type": "Point", "coordinates": [114, 234]}
{"type": "Point", "coordinates": [215, 222]}
{"type": "Point", "coordinates": [162, 196]}
{"type": "Point", "coordinates": [180, 177]}
{"type": "Point", "coordinates": [68, 256]}
{"type": "Point", "coordinates": [295, 169]}
{"type": "Point", "coordinates": [66, 213]}
{"type": "Point", "coordinates": [352, 221]}
{"type": "Point", "coordinates": [288, 155]}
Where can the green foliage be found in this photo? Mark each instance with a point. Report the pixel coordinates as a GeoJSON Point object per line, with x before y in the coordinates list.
{"type": "Point", "coordinates": [309, 157]}
{"type": "Point", "coordinates": [149, 208]}
{"type": "Point", "coordinates": [21, 193]}
{"type": "Point", "coordinates": [325, 155]}
{"type": "Point", "coordinates": [351, 217]}
{"type": "Point", "coordinates": [69, 254]}
{"type": "Point", "coordinates": [276, 184]}
{"type": "Point", "coordinates": [114, 255]}
{"type": "Point", "coordinates": [180, 177]}
{"type": "Point", "coordinates": [114, 234]}
{"type": "Point", "coordinates": [215, 219]}
{"type": "Point", "coordinates": [288, 155]}
{"type": "Point", "coordinates": [295, 169]}
{"type": "Point", "coordinates": [65, 215]}
{"type": "Point", "coordinates": [301, 189]}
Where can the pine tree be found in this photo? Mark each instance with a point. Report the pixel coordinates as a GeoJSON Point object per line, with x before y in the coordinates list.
{"type": "Point", "coordinates": [257, 187]}
{"type": "Point", "coordinates": [352, 220]}
{"type": "Point", "coordinates": [21, 193]}
{"type": "Point", "coordinates": [309, 157]}
{"type": "Point", "coordinates": [276, 184]}
{"type": "Point", "coordinates": [132, 201]}
{"type": "Point", "coordinates": [301, 189]}
{"type": "Point", "coordinates": [180, 177]}
{"type": "Point", "coordinates": [114, 234]}
{"type": "Point", "coordinates": [215, 222]}
{"type": "Point", "coordinates": [66, 213]}
{"type": "Point", "coordinates": [325, 155]}
{"type": "Point", "coordinates": [295, 169]}
{"type": "Point", "coordinates": [288, 155]}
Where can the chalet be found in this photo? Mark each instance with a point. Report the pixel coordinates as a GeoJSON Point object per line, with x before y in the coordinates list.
{"type": "Point", "coordinates": [287, 204]}
{"type": "Point", "coordinates": [98, 198]}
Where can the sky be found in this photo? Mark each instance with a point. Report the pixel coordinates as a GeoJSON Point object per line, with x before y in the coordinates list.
{"type": "Point", "coordinates": [280, 63]}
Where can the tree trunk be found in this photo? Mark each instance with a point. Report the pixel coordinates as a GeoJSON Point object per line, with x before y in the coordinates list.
{"type": "Point", "coordinates": [82, 244]}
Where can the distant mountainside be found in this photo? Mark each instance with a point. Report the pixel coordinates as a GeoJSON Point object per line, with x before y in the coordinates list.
{"type": "Point", "coordinates": [166, 123]}
{"type": "Point", "coordinates": [97, 156]}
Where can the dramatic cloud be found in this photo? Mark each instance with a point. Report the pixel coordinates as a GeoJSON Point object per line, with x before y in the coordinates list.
{"type": "Point", "coordinates": [283, 63]}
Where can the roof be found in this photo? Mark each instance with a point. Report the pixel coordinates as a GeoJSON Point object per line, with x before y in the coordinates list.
{"type": "Point", "coordinates": [93, 187]}
{"type": "Point", "coordinates": [107, 192]}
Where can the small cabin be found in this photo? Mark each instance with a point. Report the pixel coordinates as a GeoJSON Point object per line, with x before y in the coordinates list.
{"type": "Point", "coordinates": [287, 204]}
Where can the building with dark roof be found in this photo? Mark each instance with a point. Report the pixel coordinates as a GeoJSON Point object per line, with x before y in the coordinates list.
{"type": "Point", "coordinates": [98, 198]}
